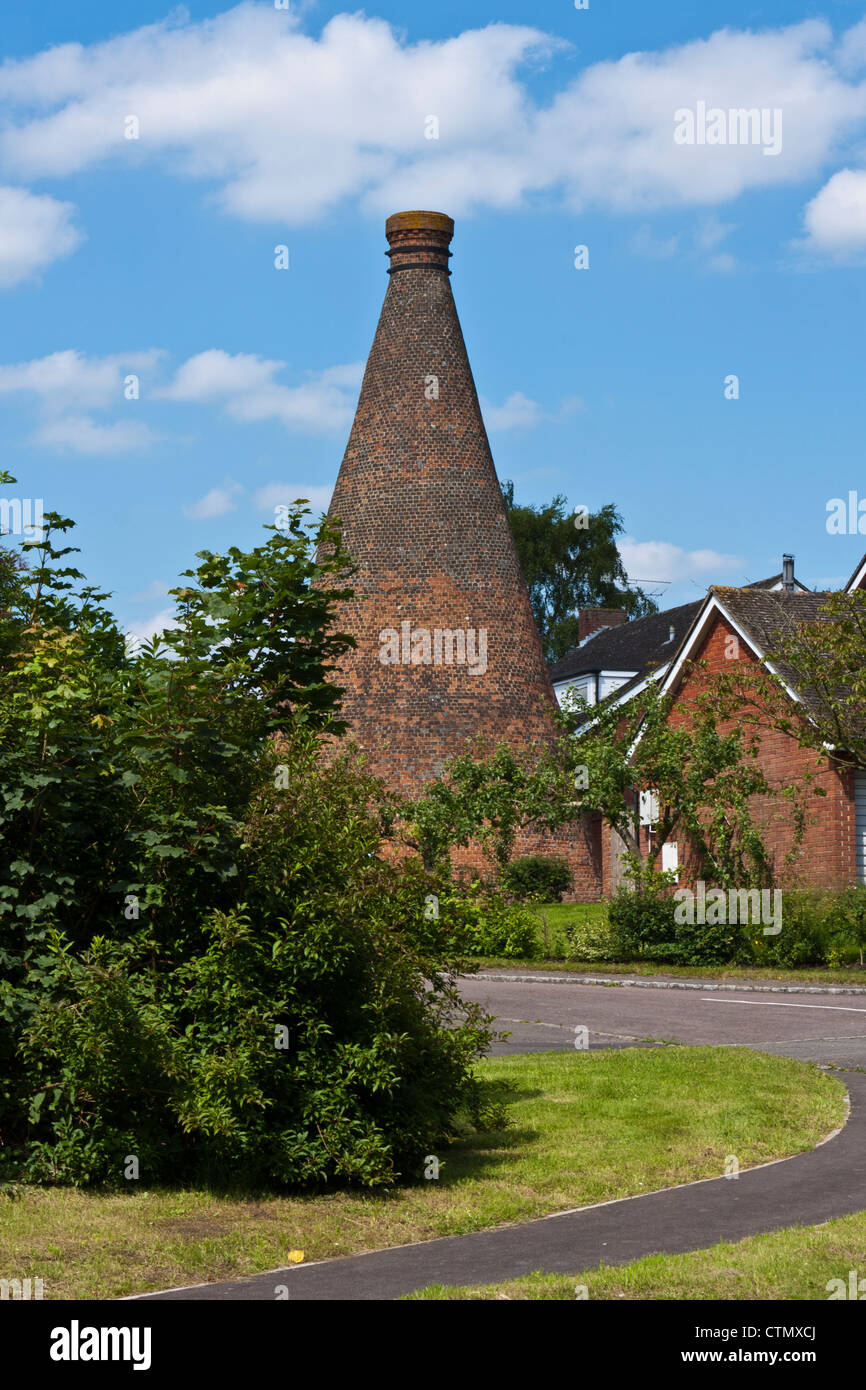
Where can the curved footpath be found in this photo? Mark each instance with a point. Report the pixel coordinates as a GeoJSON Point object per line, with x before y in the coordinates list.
{"type": "Point", "coordinates": [828, 1181]}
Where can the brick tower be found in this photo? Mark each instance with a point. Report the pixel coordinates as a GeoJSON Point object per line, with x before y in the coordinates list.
{"type": "Point", "coordinates": [447, 644]}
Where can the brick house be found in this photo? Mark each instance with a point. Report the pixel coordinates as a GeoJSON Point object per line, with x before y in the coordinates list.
{"type": "Point", "coordinates": [739, 624]}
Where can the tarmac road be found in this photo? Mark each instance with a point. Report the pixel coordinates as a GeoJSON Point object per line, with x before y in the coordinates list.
{"type": "Point", "coordinates": [541, 1015]}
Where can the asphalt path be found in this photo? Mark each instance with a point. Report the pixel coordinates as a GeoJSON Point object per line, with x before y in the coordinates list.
{"type": "Point", "coordinates": [542, 1015]}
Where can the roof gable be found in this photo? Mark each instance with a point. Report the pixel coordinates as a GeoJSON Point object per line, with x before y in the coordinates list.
{"type": "Point", "coordinates": [759, 617]}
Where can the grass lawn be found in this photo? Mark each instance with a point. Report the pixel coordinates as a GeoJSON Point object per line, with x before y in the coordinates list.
{"type": "Point", "coordinates": [586, 1127]}
{"type": "Point", "coordinates": [796, 1263]}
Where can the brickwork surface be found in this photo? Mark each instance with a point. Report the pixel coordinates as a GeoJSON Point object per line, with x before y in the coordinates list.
{"type": "Point", "coordinates": [827, 857]}
{"type": "Point", "coordinates": [423, 515]}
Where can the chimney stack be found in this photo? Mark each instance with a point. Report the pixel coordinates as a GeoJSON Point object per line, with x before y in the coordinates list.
{"type": "Point", "coordinates": [788, 572]}
{"type": "Point", "coordinates": [419, 241]}
{"type": "Point", "coordinates": [592, 620]}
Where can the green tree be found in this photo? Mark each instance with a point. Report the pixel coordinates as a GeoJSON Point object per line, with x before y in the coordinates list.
{"type": "Point", "coordinates": [488, 796]}
{"type": "Point", "coordinates": [569, 567]}
{"type": "Point", "coordinates": [183, 877]}
{"type": "Point", "coordinates": [705, 772]}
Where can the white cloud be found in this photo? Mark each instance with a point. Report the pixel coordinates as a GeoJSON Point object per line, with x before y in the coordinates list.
{"type": "Point", "coordinates": [217, 375]}
{"type": "Point", "coordinates": [851, 52]}
{"type": "Point", "coordinates": [518, 412]}
{"type": "Point", "coordinates": [138, 633]}
{"type": "Point", "coordinates": [659, 560]}
{"type": "Point", "coordinates": [71, 378]}
{"type": "Point", "coordinates": [285, 125]}
{"type": "Point", "coordinates": [81, 435]}
{"type": "Point", "coordinates": [274, 495]}
{"type": "Point", "coordinates": [645, 243]}
{"type": "Point", "coordinates": [217, 502]}
{"type": "Point", "coordinates": [245, 386]}
{"type": "Point", "coordinates": [35, 231]}
{"type": "Point", "coordinates": [712, 232]}
{"type": "Point", "coordinates": [836, 217]}
{"type": "Point", "coordinates": [65, 385]}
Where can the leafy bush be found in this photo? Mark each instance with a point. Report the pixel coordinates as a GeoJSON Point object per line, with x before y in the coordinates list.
{"type": "Point", "coordinates": [642, 925]}
{"type": "Point", "coordinates": [307, 1038]}
{"type": "Point", "coordinates": [537, 877]}
{"type": "Point", "coordinates": [646, 926]}
{"type": "Point", "coordinates": [592, 939]}
{"type": "Point", "coordinates": [707, 943]}
{"type": "Point", "coordinates": [481, 922]}
{"type": "Point", "coordinates": [847, 925]}
{"type": "Point", "coordinates": [805, 938]}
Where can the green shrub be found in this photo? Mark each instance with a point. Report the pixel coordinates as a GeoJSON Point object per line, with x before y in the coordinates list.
{"type": "Point", "coordinates": [182, 875]}
{"type": "Point", "coordinates": [538, 878]}
{"type": "Point", "coordinates": [846, 920]}
{"type": "Point", "coordinates": [642, 925]}
{"type": "Point", "coordinates": [805, 938]}
{"type": "Point", "coordinates": [335, 955]}
{"type": "Point", "coordinates": [592, 939]}
{"type": "Point", "coordinates": [481, 922]}
{"type": "Point", "coordinates": [707, 943]}
{"type": "Point", "coordinates": [645, 927]}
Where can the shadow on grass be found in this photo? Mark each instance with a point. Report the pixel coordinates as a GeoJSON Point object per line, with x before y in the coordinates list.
{"type": "Point", "coordinates": [473, 1150]}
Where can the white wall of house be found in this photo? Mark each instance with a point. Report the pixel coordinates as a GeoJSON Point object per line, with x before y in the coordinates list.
{"type": "Point", "coordinates": [584, 685]}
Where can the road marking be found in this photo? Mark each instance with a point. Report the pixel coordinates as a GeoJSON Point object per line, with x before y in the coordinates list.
{"type": "Point", "coordinates": [773, 1004]}
{"type": "Point", "coordinates": [532, 1022]}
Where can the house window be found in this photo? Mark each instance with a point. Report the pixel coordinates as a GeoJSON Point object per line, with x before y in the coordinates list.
{"type": "Point", "coordinates": [671, 858]}
{"type": "Point", "coordinates": [649, 808]}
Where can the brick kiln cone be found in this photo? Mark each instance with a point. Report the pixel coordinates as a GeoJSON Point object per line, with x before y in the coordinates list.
{"type": "Point", "coordinates": [447, 644]}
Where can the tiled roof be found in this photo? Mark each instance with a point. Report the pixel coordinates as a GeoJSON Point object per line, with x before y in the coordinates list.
{"type": "Point", "coordinates": [773, 581]}
{"type": "Point", "coordinates": [637, 646]}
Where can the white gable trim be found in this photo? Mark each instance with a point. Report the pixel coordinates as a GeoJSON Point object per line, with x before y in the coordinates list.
{"type": "Point", "coordinates": [624, 699]}
{"type": "Point", "coordinates": [858, 579]}
{"type": "Point", "coordinates": [712, 606]}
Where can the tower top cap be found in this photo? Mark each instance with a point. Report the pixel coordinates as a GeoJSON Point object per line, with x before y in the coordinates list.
{"type": "Point", "coordinates": [419, 222]}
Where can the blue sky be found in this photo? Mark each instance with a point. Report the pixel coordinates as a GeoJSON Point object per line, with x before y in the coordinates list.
{"type": "Point", "coordinates": [259, 127]}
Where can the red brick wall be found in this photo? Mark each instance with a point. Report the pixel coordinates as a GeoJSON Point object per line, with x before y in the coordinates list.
{"type": "Point", "coordinates": [580, 845]}
{"type": "Point", "coordinates": [827, 856]}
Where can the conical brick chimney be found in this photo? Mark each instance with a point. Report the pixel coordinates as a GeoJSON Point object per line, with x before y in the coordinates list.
{"type": "Point", "coordinates": [447, 644]}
